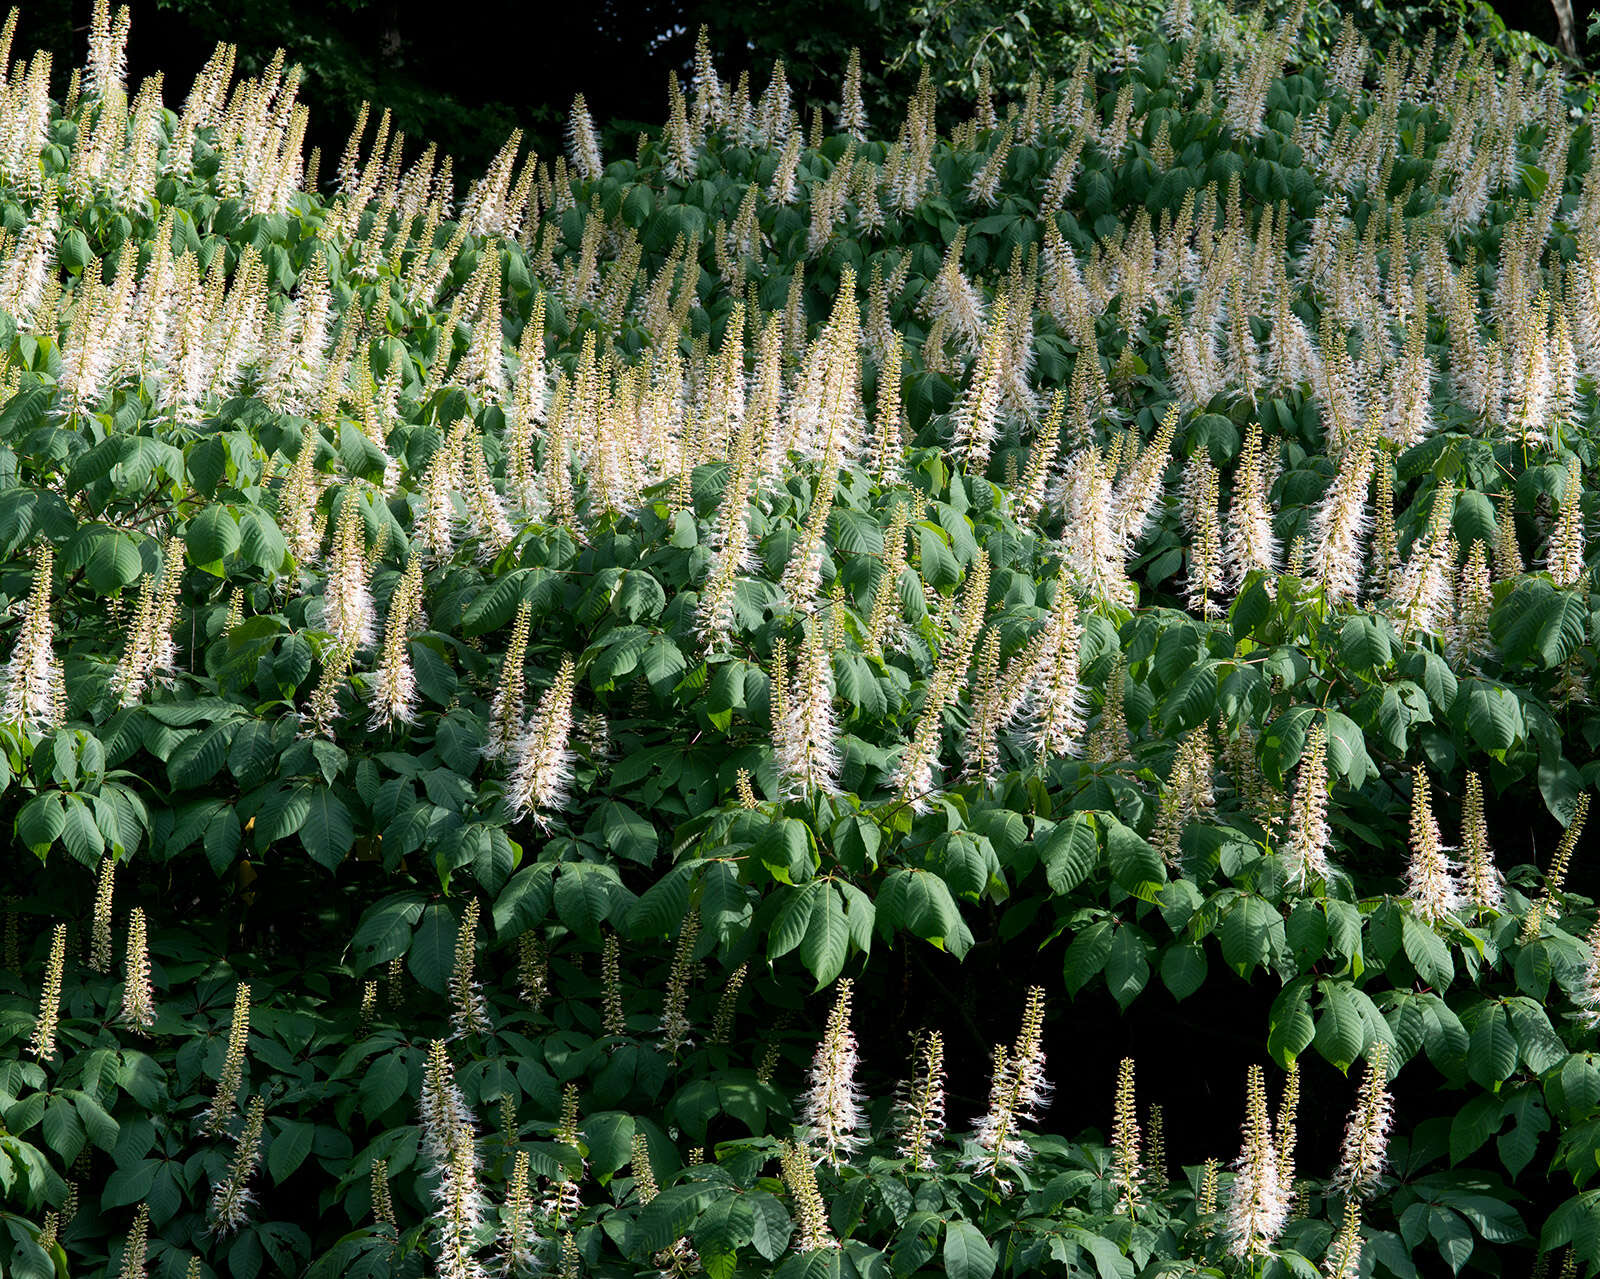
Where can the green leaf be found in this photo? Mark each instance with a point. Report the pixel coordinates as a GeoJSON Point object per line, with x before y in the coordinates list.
{"type": "Point", "coordinates": [1427, 952]}
{"type": "Point", "coordinates": [1087, 955]}
{"type": "Point", "coordinates": [41, 821]}
{"type": "Point", "coordinates": [381, 1085]}
{"type": "Point", "coordinates": [289, 1148]}
{"type": "Point", "coordinates": [1289, 1026]}
{"type": "Point", "coordinates": [80, 836]}
{"type": "Point", "coordinates": [433, 948]}
{"type": "Point", "coordinates": [967, 1254]}
{"type": "Point", "coordinates": [1341, 1033]}
{"type": "Point", "coordinates": [328, 832]}
{"type": "Point", "coordinates": [1251, 933]}
{"type": "Point", "coordinates": [1128, 965]}
{"type": "Point", "coordinates": [772, 1227]}
{"type": "Point", "coordinates": [211, 537]}
{"type": "Point", "coordinates": [1492, 715]}
{"type": "Point", "coordinates": [627, 833]}
{"type": "Point", "coordinates": [1135, 865]}
{"type": "Point", "coordinates": [1491, 1047]}
{"type": "Point", "coordinates": [1069, 852]}
{"type": "Point", "coordinates": [261, 542]}
{"type": "Point", "coordinates": [585, 896]}
{"type": "Point", "coordinates": [1347, 750]}
{"type": "Point", "coordinates": [793, 921]}
{"type": "Point", "coordinates": [827, 940]}
{"type": "Point", "coordinates": [385, 929]}
{"type": "Point", "coordinates": [1183, 969]}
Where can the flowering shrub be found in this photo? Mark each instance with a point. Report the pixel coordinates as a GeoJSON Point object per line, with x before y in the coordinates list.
{"type": "Point", "coordinates": [476, 664]}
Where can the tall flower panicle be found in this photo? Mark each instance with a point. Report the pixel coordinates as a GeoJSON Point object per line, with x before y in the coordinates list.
{"type": "Point", "coordinates": [347, 599]}
{"type": "Point", "coordinates": [1157, 1170]}
{"type": "Point", "coordinates": [887, 609]}
{"type": "Point", "coordinates": [533, 970]}
{"type": "Point", "coordinates": [1432, 878]}
{"type": "Point", "coordinates": [1205, 1204]}
{"type": "Point", "coordinates": [1305, 848]}
{"type": "Point", "coordinates": [138, 998]}
{"type": "Point", "coordinates": [1018, 1093]}
{"type": "Point", "coordinates": [831, 1107]}
{"type": "Point", "coordinates": [100, 934]}
{"type": "Point", "coordinates": [1343, 1260]}
{"type": "Point", "coordinates": [1056, 711]}
{"type": "Point", "coordinates": [1284, 1132]}
{"type": "Point", "coordinates": [1127, 1170]}
{"type": "Point", "coordinates": [43, 1043]}
{"type": "Point", "coordinates": [506, 710]}
{"type": "Point", "coordinates": [1480, 878]}
{"type": "Point", "coordinates": [1422, 588]}
{"type": "Point", "coordinates": [1555, 877]}
{"type": "Point", "coordinates": [811, 1214]}
{"type": "Point", "coordinates": [583, 141]}
{"type": "Point", "coordinates": [323, 709]}
{"type": "Point", "coordinates": [215, 1117]}
{"type": "Point", "coordinates": [469, 1010]}
{"type": "Point", "coordinates": [675, 1027]}
{"type": "Point", "coordinates": [1110, 741]}
{"type": "Point", "coordinates": [983, 724]}
{"type": "Point", "coordinates": [137, 1245]}
{"type": "Point", "coordinates": [1363, 1156]}
{"type": "Point", "coordinates": [1257, 1208]}
{"type": "Point", "coordinates": [231, 1199]}
{"type": "Point", "coordinates": [616, 1017]}
{"type": "Point", "coordinates": [1092, 548]}
{"type": "Point", "coordinates": [976, 418]}
{"type": "Point", "coordinates": [728, 1005]}
{"type": "Point", "coordinates": [393, 693]}
{"type": "Point", "coordinates": [443, 1115]}
{"type": "Point", "coordinates": [913, 777]}
{"type": "Point", "coordinates": [35, 696]}
{"type": "Point", "coordinates": [1508, 562]}
{"type": "Point", "coordinates": [1206, 581]}
{"type": "Point", "coordinates": [1588, 995]}
{"type": "Point", "coordinates": [518, 1239]}
{"type": "Point", "coordinates": [149, 649]}
{"type": "Point", "coordinates": [542, 758]}
{"type": "Point", "coordinates": [919, 1109]}
{"type": "Point", "coordinates": [566, 1199]}
{"type": "Point", "coordinates": [459, 1213]}
{"type": "Point", "coordinates": [1340, 523]}
{"type": "Point", "coordinates": [382, 1197]}
{"type": "Point", "coordinates": [1189, 796]}
{"type": "Point", "coordinates": [1467, 639]}
{"type": "Point", "coordinates": [806, 748]}
{"type": "Point", "coordinates": [1564, 557]}
{"type": "Point", "coordinates": [1249, 544]}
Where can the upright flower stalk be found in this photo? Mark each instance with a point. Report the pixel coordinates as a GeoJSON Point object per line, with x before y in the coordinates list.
{"type": "Point", "coordinates": [919, 1109]}
{"type": "Point", "coordinates": [138, 1010]}
{"type": "Point", "coordinates": [542, 759]}
{"type": "Point", "coordinates": [35, 694]}
{"type": "Point", "coordinates": [831, 1107]}
{"type": "Point", "coordinates": [1258, 1204]}
{"type": "Point", "coordinates": [43, 1043]}
{"type": "Point", "coordinates": [216, 1116]}
{"type": "Point", "coordinates": [1363, 1155]}
{"type": "Point", "coordinates": [231, 1199]}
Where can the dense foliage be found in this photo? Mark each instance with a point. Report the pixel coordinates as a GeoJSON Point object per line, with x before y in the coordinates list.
{"type": "Point", "coordinates": [524, 713]}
